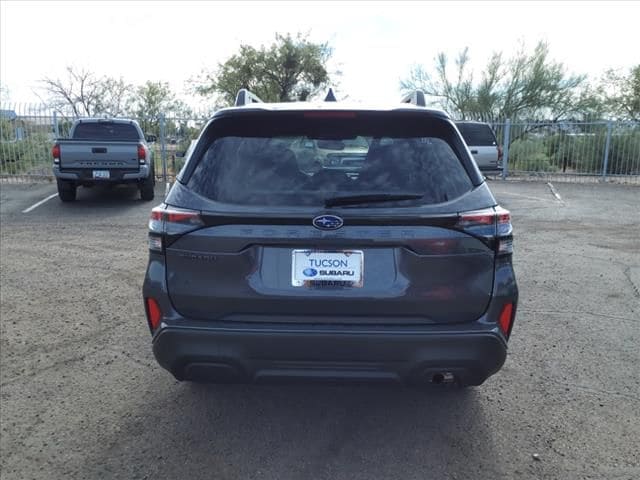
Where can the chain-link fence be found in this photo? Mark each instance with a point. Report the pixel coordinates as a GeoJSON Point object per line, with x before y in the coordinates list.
{"type": "Point", "coordinates": [565, 151]}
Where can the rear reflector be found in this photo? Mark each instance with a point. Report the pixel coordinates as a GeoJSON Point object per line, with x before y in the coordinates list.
{"type": "Point", "coordinates": [505, 246]}
{"type": "Point", "coordinates": [155, 242]}
{"type": "Point", "coordinates": [506, 317]}
{"type": "Point", "coordinates": [154, 314]}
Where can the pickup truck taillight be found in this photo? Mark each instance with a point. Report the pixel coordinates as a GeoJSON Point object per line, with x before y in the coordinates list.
{"type": "Point", "coordinates": [55, 153]}
{"type": "Point", "coordinates": [142, 154]}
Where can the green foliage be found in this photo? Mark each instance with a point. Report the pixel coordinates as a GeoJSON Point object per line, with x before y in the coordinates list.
{"type": "Point", "coordinates": [152, 100]}
{"type": "Point", "coordinates": [526, 86]}
{"type": "Point", "coordinates": [530, 155]}
{"type": "Point", "coordinates": [292, 68]}
{"type": "Point", "coordinates": [624, 153]}
{"type": "Point", "coordinates": [621, 93]}
{"type": "Point", "coordinates": [31, 155]}
{"type": "Point", "coordinates": [7, 130]}
{"type": "Point", "coordinates": [578, 152]}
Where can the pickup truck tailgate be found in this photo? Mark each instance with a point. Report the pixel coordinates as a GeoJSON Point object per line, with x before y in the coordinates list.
{"type": "Point", "coordinates": [77, 154]}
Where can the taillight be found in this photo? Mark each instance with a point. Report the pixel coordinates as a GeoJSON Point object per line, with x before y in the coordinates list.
{"type": "Point", "coordinates": [506, 319]}
{"type": "Point", "coordinates": [142, 154]}
{"type": "Point", "coordinates": [154, 314]}
{"type": "Point", "coordinates": [167, 220]}
{"type": "Point", "coordinates": [480, 223]}
{"type": "Point", "coordinates": [490, 223]}
{"type": "Point", "coordinates": [173, 215]}
{"type": "Point", "coordinates": [55, 153]}
{"type": "Point", "coordinates": [504, 231]}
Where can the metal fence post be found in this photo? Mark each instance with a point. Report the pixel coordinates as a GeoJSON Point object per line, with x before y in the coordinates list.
{"type": "Point", "coordinates": [163, 148]}
{"type": "Point", "coordinates": [607, 144]}
{"type": "Point", "coordinates": [56, 125]}
{"type": "Point", "coordinates": [505, 149]}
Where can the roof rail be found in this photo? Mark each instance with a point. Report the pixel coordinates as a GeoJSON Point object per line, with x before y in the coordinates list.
{"type": "Point", "coordinates": [416, 98]}
{"type": "Point", "coordinates": [245, 97]}
{"type": "Point", "coordinates": [330, 96]}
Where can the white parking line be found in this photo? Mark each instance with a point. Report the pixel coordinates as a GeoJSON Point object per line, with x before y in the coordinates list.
{"type": "Point", "coordinates": [36, 205]}
{"type": "Point", "coordinates": [529, 197]}
{"type": "Point", "coordinates": [553, 191]}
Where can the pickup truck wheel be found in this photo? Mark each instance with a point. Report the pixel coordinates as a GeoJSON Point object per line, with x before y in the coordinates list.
{"type": "Point", "coordinates": [67, 191]}
{"type": "Point", "coordinates": [146, 188]}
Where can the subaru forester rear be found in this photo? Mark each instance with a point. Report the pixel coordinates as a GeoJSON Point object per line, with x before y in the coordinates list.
{"type": "Point", "coordinates": [396, 269]}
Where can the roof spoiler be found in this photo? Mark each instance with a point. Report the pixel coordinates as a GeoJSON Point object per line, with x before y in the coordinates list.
{"type": "Point", "coordinates": [416, 98]}
{"type": "Point", "coordinates": [330, 96]}
{"type": "Point", "coordinates": [245, 97]}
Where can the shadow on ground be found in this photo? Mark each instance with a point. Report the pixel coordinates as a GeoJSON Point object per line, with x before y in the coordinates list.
{"type": "Point", "coordinates": [207, 431]}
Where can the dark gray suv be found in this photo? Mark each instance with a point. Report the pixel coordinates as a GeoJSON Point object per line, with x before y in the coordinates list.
{"type": "Point", "coordinates": [398, 270]}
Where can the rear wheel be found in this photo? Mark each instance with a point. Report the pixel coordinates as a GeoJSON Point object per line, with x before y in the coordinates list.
{"type": "Point", "coordinates": [67, 190]}
{"type": "Point", "coordinates": [146, 187]}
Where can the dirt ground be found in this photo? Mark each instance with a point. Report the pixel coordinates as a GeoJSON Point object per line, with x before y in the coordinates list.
{"type": "Point", "coordinates": [81, 395]}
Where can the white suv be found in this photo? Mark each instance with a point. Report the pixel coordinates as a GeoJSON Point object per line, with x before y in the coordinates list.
{"type": "Point", "coordinates": [482, 143]}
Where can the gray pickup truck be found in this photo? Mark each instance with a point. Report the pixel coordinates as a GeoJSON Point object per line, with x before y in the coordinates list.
{"type": "Point", "coordinates": [103, 151]}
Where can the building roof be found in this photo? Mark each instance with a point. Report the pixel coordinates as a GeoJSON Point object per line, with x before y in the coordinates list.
{"type": "Point", "coordinates": [8, 114]}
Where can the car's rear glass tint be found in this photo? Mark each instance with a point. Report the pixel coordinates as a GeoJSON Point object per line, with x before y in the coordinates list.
{"type": "Point", "coordinates": [331, 159]}
{"type": "Point", "coordinates": [106, 131]}
{"type": "Point", "coordinates": [477, 134]}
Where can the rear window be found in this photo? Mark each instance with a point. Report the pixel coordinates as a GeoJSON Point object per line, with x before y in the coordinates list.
{"type": "Point", "coordinates": [330, 159]}
{"type": "Point", "coordinates": [477, 134]}
{"type": "Point", "coordinates": [106, 131]}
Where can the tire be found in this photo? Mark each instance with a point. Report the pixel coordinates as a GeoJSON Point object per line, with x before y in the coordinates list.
{"type": "Point", "coordinates": [67, 190]}
{"type": "Point", "coordinates": [146, 188]}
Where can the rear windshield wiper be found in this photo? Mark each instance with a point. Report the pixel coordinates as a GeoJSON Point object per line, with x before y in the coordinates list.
{"type": "Point", "coordinates": [371, 198]}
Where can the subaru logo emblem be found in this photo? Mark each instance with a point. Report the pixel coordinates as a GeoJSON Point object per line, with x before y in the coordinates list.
{"type": "Point", "coordinates": [327, 222]}
{"type": "Point", "coordinates": [310, 272]}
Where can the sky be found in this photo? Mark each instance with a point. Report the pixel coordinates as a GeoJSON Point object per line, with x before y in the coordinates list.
{"type": "Point", "coordinates": [375, 44]}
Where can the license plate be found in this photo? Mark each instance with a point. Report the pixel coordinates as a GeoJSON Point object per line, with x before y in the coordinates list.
{"type": "Point", "coordinates": [327, 268]}
{"type": "Point", "coordinates": [101, 174]}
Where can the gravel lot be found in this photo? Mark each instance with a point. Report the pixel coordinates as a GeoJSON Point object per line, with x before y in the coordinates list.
{"type": "Point", "coordinates": [82, 397]}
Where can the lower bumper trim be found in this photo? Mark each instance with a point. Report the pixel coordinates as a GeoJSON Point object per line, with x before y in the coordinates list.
{"type": "Point", "coordinates": [222, 355]}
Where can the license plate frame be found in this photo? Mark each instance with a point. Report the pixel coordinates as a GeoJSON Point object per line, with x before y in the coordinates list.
{"type": "Point", "coordinates": [101, 175]}
{"type": "Point", "coordinates": [312, 273]}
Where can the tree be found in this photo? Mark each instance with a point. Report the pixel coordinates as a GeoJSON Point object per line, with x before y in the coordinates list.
{"type": "Point", "coordinates": [114, 96]}
{"type": "Point", "coordinates": [292, 68]}
{"type": "Point", "coordinates": [526, 86]}
{"type": "Point", "coordinates": [83, 93]}
{"type": "Point", "coordinates": [622, 93]}
{"type": "Point", "coordinates": [153, 99]}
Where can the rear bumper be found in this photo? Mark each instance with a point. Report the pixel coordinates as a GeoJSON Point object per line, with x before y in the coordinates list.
{"type": "Point", "coordinates": [287, 353]}
{"type": "Point", "coordinates": [116, 175]}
